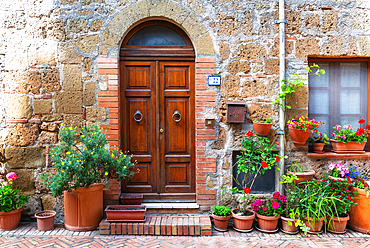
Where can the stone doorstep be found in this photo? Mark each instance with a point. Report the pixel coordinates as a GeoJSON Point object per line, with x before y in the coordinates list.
{"type": "Point", "coordinates": [161, 225]}
{"type": "Point", "coordinates": [171, 208]}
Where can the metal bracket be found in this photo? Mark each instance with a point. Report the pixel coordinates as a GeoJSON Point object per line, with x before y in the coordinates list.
{"type": "Point", "coordinates": [279, 132]}
{"type": "Point", "coordinates": [280, 21]}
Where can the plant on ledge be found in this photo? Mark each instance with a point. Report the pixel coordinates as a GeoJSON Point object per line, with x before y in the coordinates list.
{"type": "Point", "coordinates": [347, 134]}
{"type": "Point", "coordinates": [82, 159]}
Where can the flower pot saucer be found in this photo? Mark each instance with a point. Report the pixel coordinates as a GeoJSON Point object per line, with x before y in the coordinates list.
{"type": "Point", "coordinates": [319, 232]}
{"type": "Point", "coordinates": [320, 152]}
{"type": "Point", "coordinates": [266, 231]}
{"type": "Point", "coordinates": [221, 229]}
{"type": "Point", "coordinates": [291, 233]}
{"type": "Point", "coordinates": [350, 151]}
{"type": "Point", "coordinates": [335, 232]}
{"type": "Point", "coordinates": [128, 221]}
{"type": "Point", "coordinates": [243, 231]}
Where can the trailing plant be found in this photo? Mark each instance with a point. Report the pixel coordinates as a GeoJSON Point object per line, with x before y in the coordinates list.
{"type": "Point", "coordinates": [221, 211]}
{"type": "Point", "coordinates": [83, 158]}
{"type": "Point", "coordinates": [347, 134]}
{"type": "Point", "coordinates": [10, 199]}
{"type": "Point", "coordinates": [338, 170]}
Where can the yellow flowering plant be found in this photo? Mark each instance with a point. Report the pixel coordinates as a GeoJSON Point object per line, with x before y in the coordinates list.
{"type": "Point", "coordinates": [83, 158]}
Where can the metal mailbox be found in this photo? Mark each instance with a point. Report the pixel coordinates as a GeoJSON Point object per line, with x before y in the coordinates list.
{"type": "Point", "coordinates": [235, 112]}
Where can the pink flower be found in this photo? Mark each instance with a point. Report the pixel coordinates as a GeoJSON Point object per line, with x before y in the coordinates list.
{"type": "Point", "coordinates": [276, 195]}
{"type": "Point", "coordinates": [337, 127]}
{"type": "Point", "coordinates": [11, 176]}
{"type": "Point", "coordinates": [282, 198]}
{"type": "Point", "coordinates": [332, 134]}
{"type": "Point", "coordinates": [275, 205]}
{"type": "Point", "coordinates": [264, 208]}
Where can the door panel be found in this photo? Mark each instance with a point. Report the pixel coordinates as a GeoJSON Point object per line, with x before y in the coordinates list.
{"type": "Point", "coordinates": [177, 133]}
{"type": "Point", "coordinates": [139, 125]}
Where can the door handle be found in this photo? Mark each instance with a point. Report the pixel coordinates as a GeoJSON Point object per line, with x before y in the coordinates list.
{"type": "Point", "coordinates": [138, 112]}
{"type": "Point", "coordinates": [177, 114]}
{"type": "Point", "coordinates": [161, 130]}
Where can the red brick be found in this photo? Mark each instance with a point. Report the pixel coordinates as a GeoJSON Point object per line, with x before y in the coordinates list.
{"type": "Point", "coordinates": [104, 224]}
{"type": "Point", "coordinates": [113, 88]}
{"type": "Point", "coordinates": [104, 232]}
{"type": "Point", "coordinates": [158, 226]}
{"type": "Point", "coordinates": [113, 121]}
{"type": "Point", "coordinates": [197, 226]}
{"type": "Point", "coordinates": [206, 137]}
{"type": "Point", "coordinates": [205, 98]}
{"type": "Point", "coordinates": [113, 143]}
{"type": "Point", "coordinates": [16, 120]}
{"type": "Point", "coordinates": [119, 228]}
{"type": "Point", "coordinates": [200, 154]}
{"type": "Point", "coordinates": [205, 104]}
{"type": "Point", "coordinates": [200, 87]}
{"type": "Point", "coordinates": [247, 75]}
{"type": "Point", "coordinates": [146, 225]}
{"type": "Point", "coordinates": [261, 76]}
{"type": "Point", "coordinates": [205, 131]}
{"type": "Point", "coordinates": [174, 226]}
{"type": "Point", "coordinates": [199, 76]}
{"type": "Point", "coordinates": [107, 98]}
{"type": "Point", "coordinates": [206, 197]}
{"type": "Point", "coordinates": [200, 82]}
{"type": "Point", "coordinates": [107, 60]}
{"type": "Point", "coordinates": [200, 148]}
{"type": "Point", "coordinates": [204, 208]}
{"type": "Point", "coordinates": [199, 120]}
{"type": "Point", "coordinates": [191, 226]}
{"type": "Point", "coordinates": [113, 116]}
{"type": "Point", "coordinates": [141, 229]}
{"type": "Point", "coordinates": [110, 197]}
{"type": "Point", "coordinates": [113, 228]}
{"type": "Point", "coordinates": [107, 66]}
{"type": "Point", "coordinates": [201, 186]}
{"type": "Point", "coordinates": [186, 225]}
{"type": "Point", "coordinates": [113, 110]}
{"type": "Point", "coordinates": [107, 71]}
{"type": "Point", "coordinates": [124, 228]}
{"type": "Point", "coordinates": [205, 65]}
{"type": "Point", "coordinates": [257, 61]}
{"type": "Point", "coordinates": [206, 60]}
{"type": "Point", "coordinates": [168, 225]}
{"type": "Point", "coordinates": [179, 226]}
{"type": "Point", "coordinates": [107, 93]}
{"type": "Point", "coordinates": [200, 143]}
{"type": "Point", "coordinates": [129, 228]}
{"type": "Point", "coordinates": [112, 137]}
{"type": "Point", "coordinates": [205, 93]}
{"type": "Point", "coordinates": [112, 77]}
{"type": "Point", "coordinates": [207, 192]}
{"type": "Point", "coordinates": [116, 186]}
{"type": "Point", "coordinates": [111, 132]}
{"type": "Point", "coordinates": [206, 170]}
{"type": "Point", "coordinates": [206, 233]}
{"type": "Point", "coordinates": [108, 104]}
{"type": "Point", "coordinates": [114, 181]}
{"type": "Point", "coordinates": [206, 165]}
{"type": "Point", "coordinates": [206, 202]}
{"type": "Point", "coordinates": [200, 109]}
{"type": "Point", "coordinates": [163, 225]}
{"type": "Point", "coordinates": [205, 223]}
{"type": "Point", "coordinates": [112, 191]}
{"type": "Point", "coordinates": [201, 181]}
{"type": "Point", "coordinates": [103, 126]}
{"type": "Point", "coordinates": [199, 115]}
{"type": "Point", "coordinates": [134, 228]}
{"type": "Point", "coordinates": [37, 121]}
{"type": "Point", "coordinates": [199, 126]}
{"type": "Point", "coordinates": [209, 159]}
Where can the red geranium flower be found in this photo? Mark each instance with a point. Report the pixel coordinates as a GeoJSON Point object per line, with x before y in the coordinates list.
{"type": "Point", "coordinates": [366, 185]}
{"type": "Point", "coordinates": [249, 134]}
{"type": "Point", "coordinates": [277, 159]}
{"type": "Point", "coordinates": [247, 190]}
{"type": "Point", "coordinates": [361, 121]}
{"type": "Point", "coordinates": [368, 126]}
{"type": "Point", "coordinates": [264, 164]}
{"type": "Point", "coordinates": [277, 143]}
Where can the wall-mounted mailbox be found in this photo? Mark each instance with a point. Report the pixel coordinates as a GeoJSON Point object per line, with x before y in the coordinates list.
{"type": "Point", "coordinates": [210, 122]}
{"type": "Point", "coordinates": [235, 112]}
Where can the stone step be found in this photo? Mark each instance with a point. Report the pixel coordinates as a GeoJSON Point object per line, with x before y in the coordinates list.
{"type": "Point", "coordinates": [171, 208]}
{"type": "Point", "coordinates": [199, 225]}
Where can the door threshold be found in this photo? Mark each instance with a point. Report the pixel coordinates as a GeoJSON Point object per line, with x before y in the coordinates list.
{"type": "Point", "coordinates": [157, 205]}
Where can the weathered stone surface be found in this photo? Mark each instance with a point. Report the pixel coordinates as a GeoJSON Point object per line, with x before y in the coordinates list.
{"type": "Point", "coordinates": [364, 43]}
{"type": "Point", "coordinates": [95, 114]}
{"type": "Point", "coordinates": [220, 142]}
{"type": "Point", "coordinates": [228, 25]}
{"type": "Point", "coordinates": [24, 157]}
{"type": "Point", "coordinates": [89, 97]}
{"type": "Point", "coordinates": [30, 83]}
{"type": "Point", "coordinates": [96, 25]}
{"type": "Point", "coordinates": [72, 78]}
{"type": "Point", "coordinates": [49, 126]}
{"type": "Point", "coordinates": [157, 7]}
{"type": "Point", "coordinates": [221, 110]}
{"type": "Point", "coordinates": [40, 187]}
{"type": "Point", "coordinates": [64, 2]}
{"type": "Point", "coordinates": [33, 206]}
{"type": "Point", "coordinates": [294, 22]}
{"type": "Point", "coordinates": [176, 12]}
{"type": "Point", "coordinates": [54, 117]}
{"type": "Point", "coordinates": [209, 182]}
{"type": "Point", "coordinates": [306, 47]}
{"type": "Point", "coordinates": [193, 26]}
{"type": "Point", "coordinates": [330, 20]}
{"type": "Point", "coordinates": [299, 99]}
{"type": "Point", "coordinates": [266, 22]}
{"type": "Point", "coordinates": [247, 23]}
{"type": "Point", "coordinates": [76, 25]}
{"type": "Point", "coordinates": [312, 21]}
{"type": "Point", "coordinates": [48, 137]}
{"type": "Point", "coordinates": [48, 202]}
{"type": "Point", "coordinates": [227, 200]}
{"type": "Point", "coordinates": [87, 43]}
{"type": "Point", "coordinates": [137, 11]}
{"type": "Point", "coordinates": [69, 55]}
{"type": "Point", "coordinates": [204, 45]}
{"type": "Point", "coordinates": [43, 53]}
{"type": "Point", "coordinates": [22, 134]}
{"type": "Point", "coordinates": [272, 66]}
{"type": "Point", "coordinates": [230, 86]}
{"type": "Point", "coordinates": [352, 47]}
{"type": "Point", "coordinates": [253, 88]}
{"type": "Point", "coordinates": [258, 68]}
{"type": "Point", "coordinates": [72, 120]}
{"type": "Point", "coordinates": [334, 47]}
{"type": "Point", "coordinates": [226, 164]}
{"type": "Point", "coordinates": [271, 86]}
{"type": "Point", "coordinates": [50, 80]}
{"type": "Point", "coordinates": [259, 110]}
{"type": "Point", "coordinates": [274, 51]}
{"type": "Point", "coordinates": [224, 50]}
{"type": "Point", "coordinates": [42, 106]}
{"type": "Point", "coordinates": [18, 107]}
{"type": "Point", "coordinates": [69, 102]}
{"type": "Point", "coordinates": [250, 51]}
{"type": "Point", "coordinates": [237, 66]}
{"type": "Point", "coordinates": [25, 181]}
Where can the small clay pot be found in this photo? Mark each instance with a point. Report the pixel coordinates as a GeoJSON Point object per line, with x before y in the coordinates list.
{"type": "Point", "coordinates": [285, 227]}
{"type": "Point", "coordinates": [45, 220]}
{"type": "Point", "coordinates": [243, 223]}
{"type": "Point", "coordinates": [338, 224]}
{"type": "Point", "coordinates": [318, 147]}
{"type": "Point", "coordinates": [262, 129]}
{"type": "Point", "coordinates": [314, 224]}
{"type": "Point", "coordinates": [221, 222]}
{"type": "Point", "coordinates": [268, 223]}
{"type": "Point", "coordinates": [302, 177]}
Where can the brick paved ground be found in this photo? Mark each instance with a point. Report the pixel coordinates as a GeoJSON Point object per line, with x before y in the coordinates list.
{"type": "Point", "coordinates": [28, 236]}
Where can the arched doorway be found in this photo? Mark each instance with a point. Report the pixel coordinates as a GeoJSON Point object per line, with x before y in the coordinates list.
{"type": "Point", "coordinates": [157, 111]}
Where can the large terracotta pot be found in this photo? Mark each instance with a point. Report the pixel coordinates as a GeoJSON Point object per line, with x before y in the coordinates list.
{"type": "Point", "coordinates": [285, 227]}
{"type": "Point", "coordinates": [338, 224]}
{"type": "Point", "coordinates": [221, 222]}
{"type": "Point", "coordinates": [302, 177]}
{"type": "Point", "coordinates": [83, 208]}
{"type": "Point", "coordinates": [318, 147]}
{"type": "Point", "coordinates": [243, 223]}
{"type": "Point", "coordinates": [298, 136]}
{"type": "Point", "coordinates": [360, 214]}
{"type": "Point", "coordinates": [262, 129]}
{"type": "Point", "coordinates": [315, 225]}
{"type": "Point", "coordinates": [10, 220]}
{"type": "Point", "coordinates": [268, 223]}
{"type": "Point", "coordinates": [339, 146]}
{"type": "Point", "coordinates": [45, 220]}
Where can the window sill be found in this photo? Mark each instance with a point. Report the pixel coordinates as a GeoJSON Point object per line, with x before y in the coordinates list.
{"type": "Point", "coordinates": [338, 155]}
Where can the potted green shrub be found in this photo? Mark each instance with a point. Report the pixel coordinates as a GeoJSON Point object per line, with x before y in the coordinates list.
{"type": "Point", "coordinates": [11, 203]}
{"type": "Point", "coordinates": [256, 158]}
{"type": "Point", "coordinates": [318, 141]}
{"type": "Point", "coordinates": [221, 217]}
{"type": "Point", "coordinates": [346, 139]}
{"type": "Point", "coordinates": [81, 160]}
{"type": "Point", "coordinates": [262, 127]}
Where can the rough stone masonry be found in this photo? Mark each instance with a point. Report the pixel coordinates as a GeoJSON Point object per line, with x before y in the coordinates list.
{"type": "Point", "coordinates": [48, 69]}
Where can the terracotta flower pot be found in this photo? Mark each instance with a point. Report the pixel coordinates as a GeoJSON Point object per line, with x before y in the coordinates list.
{"type": "Point", "coordinates": [360, 213]}
{"type": "Point", "coordinates": [131, 199]}
{"type": "Point", "coordinates": [83, 208]}
{"type": "Point", "coordinates": [10, 220]}
{"type": "Point", "coordinates": [318, 147]}
{"type": "Point", "coordinates": [298, 136]}
{"type": "Point", "coordinates": [338, 224]}
{"type": "Point", "coordinates": [125, 213]}
{"type": "Point", "coordinates": [262, 129]}
{"type": "Point", "coordinates": [221, 223]}
{"type": "Point", "coordinates": [302, 177]}
{"type": "Point", "coordinates": [268, 223]}
{"type": "Point", "coordinates": [243, 223]}
{"type": "Point", "coordinates": [285, 227]}
{"type": "Point", "coordinates": [315, 225]}
{"type": "Point", "coordinates": [339, 146]}
{"type": "Point", "coordinates": [45, 220]}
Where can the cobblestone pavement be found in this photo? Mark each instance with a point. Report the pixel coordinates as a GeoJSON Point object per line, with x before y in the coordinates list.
{"type": "Point", "coordinates": [27, 235]}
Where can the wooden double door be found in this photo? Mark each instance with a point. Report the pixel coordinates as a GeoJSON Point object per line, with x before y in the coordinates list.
{"type": "Point", "coordinates": [157, 110]}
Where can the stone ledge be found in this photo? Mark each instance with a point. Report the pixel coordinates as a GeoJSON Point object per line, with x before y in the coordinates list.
{"type": "Point", "coordinates": [338, 155]}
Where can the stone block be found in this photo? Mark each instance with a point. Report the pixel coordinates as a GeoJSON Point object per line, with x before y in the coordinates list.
{"type": "Point", "coordinates": [49, 126]}
{"type": "Point", "coordinates": [42, 106]}
{"type": "Point", "coordinates": [330, 20]}
{"type": "Point", "coordinates": [25, 181]}
{"type": "Point", "coordinates": [247, 23]}
{"type": "Point", "coordinates": [137, 11]}
{"type": "Point", "coordinates": [253, 88]}
{"type": "Point", "coordinates": [272, 66]}
{"type": "Point", "coordinates": [334, 47]}
{"type": "Point", "coordinates": [33, 206]}
{"type": "Point", "coordinates": [224, 50]}
{"type": "Point", "coordinates": [96, 25]}
{"type": "Point", "coordinates": [18, 107]}
{"type": "Point", "coordinates": [176, 12]}
{"type": "Point", "coordinates": [230, 86]}
{"type": "Point", "coordinates": [88, 43]}
{"type": "Point", "coordinates": [54, 117]}
{"type": "Point", "coordinates": [220, 142]}
{"type": "Point", "coordinates": [69, 55]}
{"type": "Point", "coordinates": [228, 25]}
{"type": "Point", "coordinates": [89, 97]}
{"type": "Point", "coordinates": [266, 24]}
{"type": "Point", "coordinates": [72, 120]}
{"type": "Point", "coordinates": [95, 114]}
{"type": "Point", "coordinates": [72, 78]}
{"type": "Point", "coordinates": [48, 137]}
{"type": "Point", "coordinates": [50, 80]}
{"type": "Point", "coordinates": [43, 53]}
{"type": "Point", "coordinates": [24, 157]}
{"type": "Point", "coordinates": [259, 110]}
{"type": "Point", "coordinates": [306, 47]}
{"type": "Point", "coordinates": [274, 51]}
{"type": "Point", "coordinates": [312, 21]}
{"type": "Point", "coordinates": [68, 102]}
{"type": "Point", "coordinates": [64, 2]}
{"type": "Point", "coordinates": [22, 134]}
{"type": "Point", "coordinates": [294, 22]}
{"type": "Point", "coordinates": [250, 51]}
{"type": "Point", "coordinates": [299, 99]}
{"type": "Point", "coordinates": [76, 25]}
{"type": "Point", "coordinates": [209, 182]}
{"type": "Point", "coordinates": [157, 7]}
{"type": "Point", "coordinates": [48, 202]}
{"type": "Point", "coordinates": [364, 43]}
{"type": "Point", "coordinates": [204, 45]}
{"type": "Point", "coordinates": [193, 27]}
{"type": "Point", "coordinates": [109, 40]}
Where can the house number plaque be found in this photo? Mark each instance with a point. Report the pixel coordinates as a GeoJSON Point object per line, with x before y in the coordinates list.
{"type": "Point", "coordinates": [214, 80]}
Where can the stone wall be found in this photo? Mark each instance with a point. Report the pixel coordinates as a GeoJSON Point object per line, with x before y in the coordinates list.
{"type": "Point", "coordinates": [49, 53]}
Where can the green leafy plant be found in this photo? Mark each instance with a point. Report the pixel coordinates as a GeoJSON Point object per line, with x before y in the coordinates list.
{"type": "Point", "coordinates": [318, 137]}
{"type": "Point", "coordinates": [260, 120]}
{"type": "Point", "coordinates": [82, 159]}
{"type": "Point", "coordinates": [221, 211]}
{"type": "Point", "coordinates": [10, 199]}
{"type": "Point", "coordinates": [289, 86]}
{"type": "Point", "coordinates": [295, 215]}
